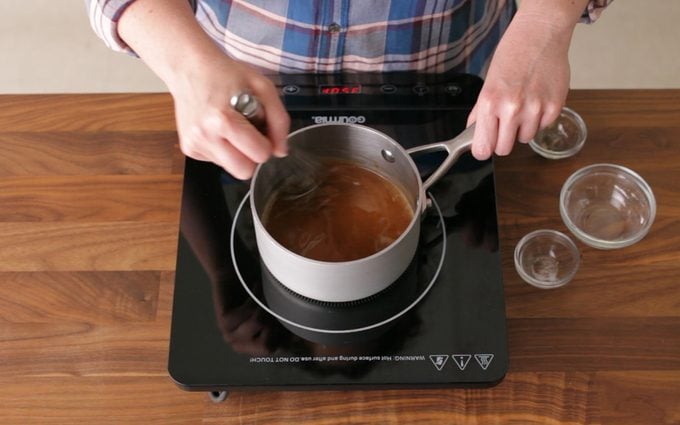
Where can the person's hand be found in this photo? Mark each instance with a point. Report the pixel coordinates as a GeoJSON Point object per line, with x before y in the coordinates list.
{"type": "Point", "coordinates": [211, 130]}
{"type": "Point", "coordinates": [526, 85]}
{"type": "Point", "coordinates": [202, 80]}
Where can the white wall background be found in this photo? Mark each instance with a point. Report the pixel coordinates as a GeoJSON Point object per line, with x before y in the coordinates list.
{"type": "Point", "coordinates": [47, 46]}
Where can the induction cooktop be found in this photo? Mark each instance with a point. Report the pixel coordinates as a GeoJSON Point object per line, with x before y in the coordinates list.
{"type": "Point", "coordinates": [440, 324]}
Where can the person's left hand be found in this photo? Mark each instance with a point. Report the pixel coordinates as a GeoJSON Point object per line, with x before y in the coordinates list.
{"type": "Point", "coordinates": [526, 85]}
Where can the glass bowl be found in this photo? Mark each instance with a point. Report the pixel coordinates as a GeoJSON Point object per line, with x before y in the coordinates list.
{"type": "Point", "coordinates": [546, 259]}
{"type": "Point", "coordinates": [607, 206]}
{"type": "Point", "coordinates": [563, 138]}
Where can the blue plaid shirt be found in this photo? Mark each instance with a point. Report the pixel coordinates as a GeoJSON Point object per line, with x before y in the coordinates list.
{"type": "Point", "coordinates": [296, 36]}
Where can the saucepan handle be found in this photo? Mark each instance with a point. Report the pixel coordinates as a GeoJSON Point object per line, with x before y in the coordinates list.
{"type": "Point", "coordinates": [454, 148]}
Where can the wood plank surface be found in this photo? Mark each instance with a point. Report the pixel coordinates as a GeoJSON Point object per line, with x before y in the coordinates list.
{"type": "Point", "coordinates": [72, 153]}
{"type": "Point", "coordinates": [639, 397]}
{"type": "Point", "coordinates": [100, 246]}
{"type": "Point", "coordinates": [86, 113]}
{"type": "Point", "coordinates": [522, 398]}
{"type": "Point", "coordinates": [89, 214]}
{"type": "Point", "coordinates": [98, 400]}
{"type": "Point", "coordinates": [89, 297]}
{"type": "Point", "coordinates": [99, 198]}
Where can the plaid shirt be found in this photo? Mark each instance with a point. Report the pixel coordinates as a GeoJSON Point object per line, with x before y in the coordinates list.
{"type": "Point", "coordinates": [294, 36]}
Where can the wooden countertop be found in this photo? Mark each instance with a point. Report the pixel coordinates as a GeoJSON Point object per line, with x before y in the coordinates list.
{"type": "Point", "coordinates": [89, 206]}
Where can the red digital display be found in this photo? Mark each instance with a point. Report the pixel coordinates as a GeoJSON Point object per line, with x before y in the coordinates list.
{"type": "Point", "coordinates": [341, 89]}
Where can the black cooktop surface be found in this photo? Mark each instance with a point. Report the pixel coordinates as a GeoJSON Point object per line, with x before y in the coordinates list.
{"type": "Point", "coordinates": [442, 323]}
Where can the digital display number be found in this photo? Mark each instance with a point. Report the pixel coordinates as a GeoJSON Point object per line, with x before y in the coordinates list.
{"type": "Point", "coordinates": [341, 89]}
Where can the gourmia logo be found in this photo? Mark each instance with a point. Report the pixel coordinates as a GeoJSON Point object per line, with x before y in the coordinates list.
{"type": "Point", "coordinates": [345, 119]}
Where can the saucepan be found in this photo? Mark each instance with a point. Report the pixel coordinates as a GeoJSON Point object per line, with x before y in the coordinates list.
{"type": "Point", "coordinates": [361, 278]}
{"type": "Point", "coordinates": [341, 323]}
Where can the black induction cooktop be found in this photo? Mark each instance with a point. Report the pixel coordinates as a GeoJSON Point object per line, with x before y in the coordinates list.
{"type": "Point", "coordinates": [442, 323]}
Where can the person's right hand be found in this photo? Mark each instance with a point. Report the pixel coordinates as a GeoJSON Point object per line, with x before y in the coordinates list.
{"type": "Point", "coordinates": [211, 130]}
{"type": "Point", "coordinates": [202, 80]}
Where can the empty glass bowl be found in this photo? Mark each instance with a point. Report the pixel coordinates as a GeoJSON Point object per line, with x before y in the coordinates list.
{"type": "Point", "coordinates": [546, 258]}
{"type": "Point", "coordinates": [563, 138]}
{"type": "Point", "coordinates": [607, 206]}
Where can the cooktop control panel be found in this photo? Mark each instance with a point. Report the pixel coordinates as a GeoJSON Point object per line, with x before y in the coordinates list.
{"type": "Point", "coordinates": [378, 91]}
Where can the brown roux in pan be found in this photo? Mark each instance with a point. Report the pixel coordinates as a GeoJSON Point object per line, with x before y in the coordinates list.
{"type": "Point", "coordinates": [352, 214]}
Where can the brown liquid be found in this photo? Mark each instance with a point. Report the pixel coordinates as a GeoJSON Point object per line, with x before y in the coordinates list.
{"type": "Point", "coordinates": [353, 213]}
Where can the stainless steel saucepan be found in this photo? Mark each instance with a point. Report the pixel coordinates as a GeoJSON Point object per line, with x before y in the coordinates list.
{"type": "Point", "coordinates": [361, 278]}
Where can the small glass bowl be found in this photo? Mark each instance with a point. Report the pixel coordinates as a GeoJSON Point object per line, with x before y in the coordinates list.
{"type": "Point", "coordinates": [563, 138]}
{"type": "Point", "coordinates": [546, 259]}
{"type": "Point", "coordinates": [607, 206]}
